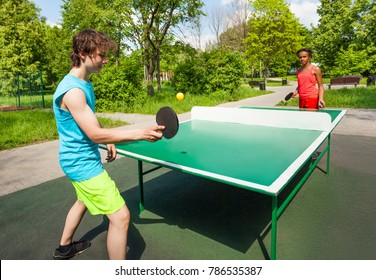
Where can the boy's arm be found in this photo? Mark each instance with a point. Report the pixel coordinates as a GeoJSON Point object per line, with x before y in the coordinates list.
{"type": "Point", "coordinates": [75, 102]}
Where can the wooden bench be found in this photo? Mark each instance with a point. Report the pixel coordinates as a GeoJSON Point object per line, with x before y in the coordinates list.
{"type": "Point", "coordinates": [254, 83]}
{"type": "Point", "coordinates": [345, 80]}
{"type": "Point", "coordinates": [260, 84]}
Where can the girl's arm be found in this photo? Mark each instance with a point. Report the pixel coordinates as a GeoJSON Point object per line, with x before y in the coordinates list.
{"type": "Point", "coordinates": [317, 73]}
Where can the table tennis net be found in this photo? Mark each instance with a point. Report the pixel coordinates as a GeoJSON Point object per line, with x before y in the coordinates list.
{"type": "Point", "coordinates": [308, 120]}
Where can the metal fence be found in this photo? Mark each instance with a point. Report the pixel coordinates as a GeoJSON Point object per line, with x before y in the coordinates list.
{"type": "Point", "coordinates": [22, 90]}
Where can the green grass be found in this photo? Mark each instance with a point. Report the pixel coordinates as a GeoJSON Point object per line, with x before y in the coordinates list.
{"type": "Point", "coordinates": [21, 128]}
{"type": "Point", "coordinates": [27, 101]}
{"type": "Point", "coordinates": [356, 98]}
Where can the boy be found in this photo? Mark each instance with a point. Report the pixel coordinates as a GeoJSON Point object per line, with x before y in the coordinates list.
{"type": "Point", "coordinates": [80, 133]}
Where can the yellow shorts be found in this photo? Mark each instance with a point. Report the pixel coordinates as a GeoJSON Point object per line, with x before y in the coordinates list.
{"type": "Point", "coordinates": [99, 194]}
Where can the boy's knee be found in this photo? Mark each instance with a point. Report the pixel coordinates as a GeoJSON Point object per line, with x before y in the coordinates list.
{"type": "Point", "coordinates": [122, 217]}
{"type": "Point", "coordinates": [126, 216]}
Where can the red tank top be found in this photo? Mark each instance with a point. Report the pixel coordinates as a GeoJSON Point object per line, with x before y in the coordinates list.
{"type": "Point", "coordinates": [307, 84]}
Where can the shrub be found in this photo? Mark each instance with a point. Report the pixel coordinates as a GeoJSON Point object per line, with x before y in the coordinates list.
{"type": "Point", "coordinates": [206, 73]}
{"type": "Point", "coordinates": [119, 86]}
{"type": "Point", "coordinates": [224, 70]}
{"type": "Point", "coordinates": [189, 76]}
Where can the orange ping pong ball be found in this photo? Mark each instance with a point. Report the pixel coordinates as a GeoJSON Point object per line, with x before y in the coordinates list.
{"type": "Point", "coordinates": [179, 96]}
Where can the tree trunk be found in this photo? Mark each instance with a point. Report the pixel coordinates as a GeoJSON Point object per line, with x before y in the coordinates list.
{"type": "Point", "coordinates": [150, 72]}
{"type": "Point", "coordinates": [150, 89]}
{"type": "Point", "coordinates": [158, 70]}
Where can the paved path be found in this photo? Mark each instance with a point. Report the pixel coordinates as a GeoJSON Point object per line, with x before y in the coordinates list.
{"type": "Point", "coordinates": [32, 165]}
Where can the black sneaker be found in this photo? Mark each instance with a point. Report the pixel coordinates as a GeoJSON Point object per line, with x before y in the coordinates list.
{"type": "Point", "coordinates": [75, 249]}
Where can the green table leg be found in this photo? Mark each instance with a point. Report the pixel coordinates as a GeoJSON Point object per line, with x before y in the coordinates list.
{"type": "Point", "coordinates": [273, 249]}
{"type": "Point", "coordinates": [141, 185]}
{"type": "Point", "coordinates": [328, 156]}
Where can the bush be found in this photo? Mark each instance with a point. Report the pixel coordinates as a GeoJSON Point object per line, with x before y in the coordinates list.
{"type": "Point", "coordinates": [189, 76]}
{"type": "Point", "coordinates": [206, 73]}
{"type": "Point", "coordinates": [119, 87]}
{"type": "Point", "coordinates": [224, 70]}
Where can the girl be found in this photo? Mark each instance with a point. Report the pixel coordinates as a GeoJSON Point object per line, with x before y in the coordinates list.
{"type": "Point", "coordinates": [309, 75]}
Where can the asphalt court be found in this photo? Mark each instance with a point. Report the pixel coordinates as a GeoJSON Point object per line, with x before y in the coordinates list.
{"type": "Point", "coordinates": [186, 217]}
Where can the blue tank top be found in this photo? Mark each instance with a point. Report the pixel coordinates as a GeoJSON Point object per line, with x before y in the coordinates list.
{"type": "Point", "coordinates": [79, 157]}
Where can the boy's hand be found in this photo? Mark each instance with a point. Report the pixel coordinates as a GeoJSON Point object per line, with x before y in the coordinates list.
{"type": "Point", "coordinates": [111, 152]}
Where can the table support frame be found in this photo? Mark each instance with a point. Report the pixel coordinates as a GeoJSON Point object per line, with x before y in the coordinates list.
{"type": "Point", "coordinates": [276, 211]}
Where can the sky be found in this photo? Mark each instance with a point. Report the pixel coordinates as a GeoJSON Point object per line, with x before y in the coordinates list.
{"type": "Point", "coordinates": [304, 10]}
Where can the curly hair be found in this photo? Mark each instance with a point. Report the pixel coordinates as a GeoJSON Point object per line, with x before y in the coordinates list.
{"type": "Point", "coordinates": [308, 50]}
{"type": "Point", "coordinates": [87, 42]}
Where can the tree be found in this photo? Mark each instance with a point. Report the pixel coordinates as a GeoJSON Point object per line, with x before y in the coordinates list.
{"type": "Point", "coordinates": [364, 25]}
{"type": "Point", "coordinates": [217, 21]}
{"type": "Point", "coordinates": [345, 37]}
{"type": "Point", "coordinates": [57, 47]}
{"type": "Point", "coordinates": [234, 37]}
{"type": "Point", "coordinates": [151, 22]}
{"type": "Point", "coordinates": [173, 54]}
{"type": "Point", "coordinates": [351, 62]}
{"type": "Point", "coordinates": [333, 33]}
{"type": "Point", "coordinates": [274, 36]}
{"type": "Point", "coordinates": [109, 17]}
{"type": "Point", "coordinates": [132, 24]}
{"type": "Point", "coordinates": [21, 37]}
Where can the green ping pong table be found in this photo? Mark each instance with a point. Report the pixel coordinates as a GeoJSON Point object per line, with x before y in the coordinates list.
{"type": "Point", "coordinates": [254, 148]}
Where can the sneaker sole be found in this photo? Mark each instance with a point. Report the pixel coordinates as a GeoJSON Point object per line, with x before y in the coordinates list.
{"type": "Point", "coordinates": [67, 258]}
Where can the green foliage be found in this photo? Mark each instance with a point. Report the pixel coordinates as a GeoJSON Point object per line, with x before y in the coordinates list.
{"type": "Point", "coordinates": [189, 76]}
{"type": "Point", "coordinates": [206, 73]}
{"type": "Point", "coordinates": [144, 24]}
{"type": "Point", "coordinates": [173, 52]}
{"type": "Point", "coordinates": [224, 70]}
{"type": "Point", "coordinates": [332, 33]}
{"type": "Point", "coordinates": [364, 25]}
{"type": "Point", "coordinates": [21, 37]}
{"type": "Point", "coordinates": [350, 62]}
{"type": "Point", "coordinates": [346, 31]}
{"type": "Point", "coordinates": [274, 36]}
{"type": "Point", "coordinates": [152, 22]}
{"type": "Point", "coordinates": [109, 17]}
{"type": "Point", "coordinates": [57, 49]}
{"type": "Point", "coordinates": [120, 86]}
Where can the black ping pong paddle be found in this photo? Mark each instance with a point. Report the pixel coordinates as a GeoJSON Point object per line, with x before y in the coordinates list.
{"type": "Point", "coordinates": [167, 117]}
{"type": "Point", "coordinates": [288, 96]}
